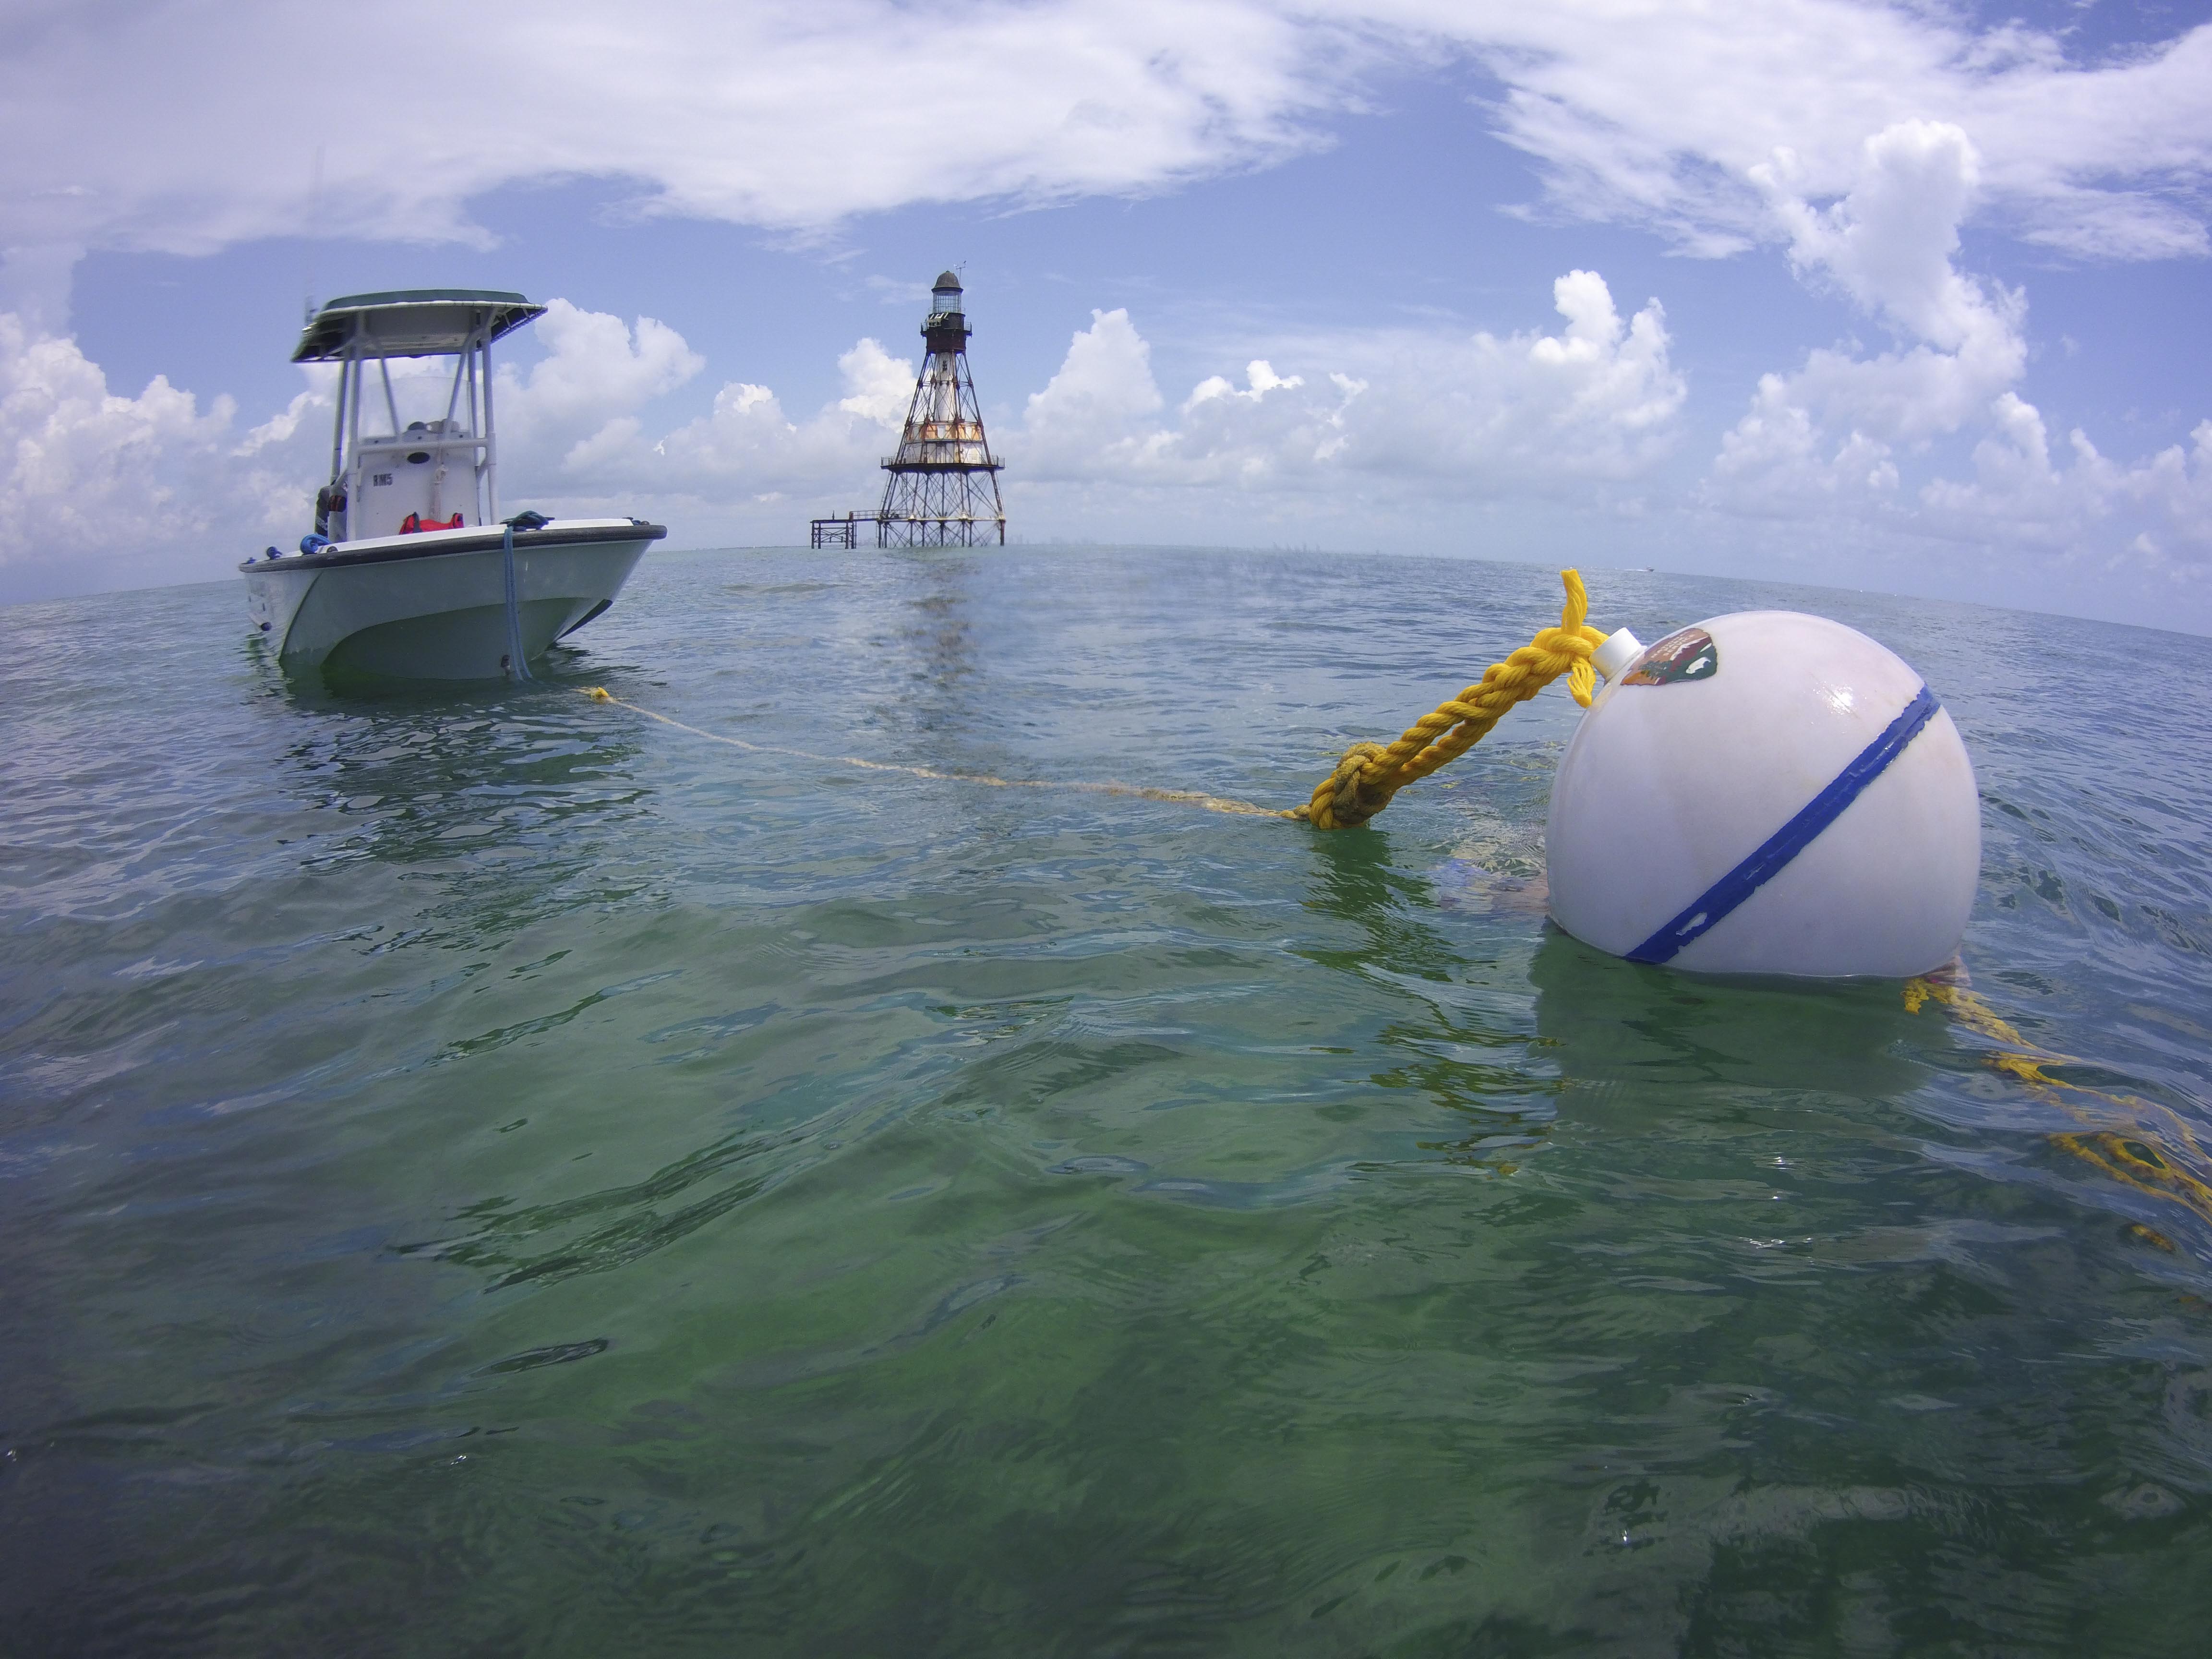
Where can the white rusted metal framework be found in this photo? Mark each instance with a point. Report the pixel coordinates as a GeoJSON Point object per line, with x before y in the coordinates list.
{"type": "Point", "coordinates": [943, 486]}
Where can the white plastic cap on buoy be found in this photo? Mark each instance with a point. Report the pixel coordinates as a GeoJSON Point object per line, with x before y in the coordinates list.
{"type": "Point", "coordinates": [1766, 793]}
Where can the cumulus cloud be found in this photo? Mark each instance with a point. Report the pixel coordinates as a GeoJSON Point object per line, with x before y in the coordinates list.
{"type": "Point", "coordinates": [1841, 435]}
{"type": "Point", "coordinates": [1889, 243]}
{"type": "Point", "coordinates": [1458, 413]}
{"type": "Point", "coordinates": [2019, 496]}
{"type": "Point", "coordinates": [576, 432]}
{"type": "Point", "coordinates": [1100, 402]}
{"type": "Point", "coordinates": [1830, 431]}
{"type": "Point", "coordinates": [92, 479]}
{"type": "Point", "coordinates": [582, 399]}
{"type": "Point", "coordinates": [878, 385]}
{"type": "Point", "coordinates": [1596, 400]}
{"type": "Point", "coordinates": [1095, 420]}
{"type": "Point", "coordinates": [2179, 483]}
{"type": "Point", "coordinates": [747, 445]}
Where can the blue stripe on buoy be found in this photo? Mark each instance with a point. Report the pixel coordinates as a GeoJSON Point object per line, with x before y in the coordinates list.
{"type": "Point", "coordinates": [1722, 898]}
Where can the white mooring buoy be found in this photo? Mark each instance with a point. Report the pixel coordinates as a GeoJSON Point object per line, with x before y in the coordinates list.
{"type": "Point", "coordinates": [1767, 793]}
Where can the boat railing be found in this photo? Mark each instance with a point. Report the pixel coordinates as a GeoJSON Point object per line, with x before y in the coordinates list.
{"type": "Point", "coordinates": [417, 440]}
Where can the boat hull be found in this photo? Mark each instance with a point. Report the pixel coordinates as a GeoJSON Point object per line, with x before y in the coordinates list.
{"type": "Point", "coordinates": [433, 606]}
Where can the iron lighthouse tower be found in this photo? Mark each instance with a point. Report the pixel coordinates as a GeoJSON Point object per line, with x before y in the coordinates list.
{"type": "Point", "coordinates": [943, 486]}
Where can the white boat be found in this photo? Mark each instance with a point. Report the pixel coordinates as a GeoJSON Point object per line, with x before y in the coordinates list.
{"type": "Point", "coordinates": [410, 571]}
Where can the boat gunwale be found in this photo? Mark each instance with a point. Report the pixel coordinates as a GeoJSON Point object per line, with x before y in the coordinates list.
{"type": "Point", "coordinates": [475, 539]}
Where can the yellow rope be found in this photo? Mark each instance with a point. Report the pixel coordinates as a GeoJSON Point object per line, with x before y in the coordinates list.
{"type": "Point", "coordinates": [1370, 774]}
{"type": "Point", "coordinates": [1364, 779]}
{"type": "Point", "coordinates": [2156, 1150]}
{"type": "Point", "coordinates": [1969, 1009]}
{"type": "Point", "coordinates": [1190, 797]}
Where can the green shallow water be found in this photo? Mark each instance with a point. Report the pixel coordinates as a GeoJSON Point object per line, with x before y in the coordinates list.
{"type": "Point", "coordinates": [486, 1173]}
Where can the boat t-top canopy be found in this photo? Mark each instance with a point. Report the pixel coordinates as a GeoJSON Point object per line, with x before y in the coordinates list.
{"type": "Point", "coordinates": [416, 322]}
{"type": "Point", "coordinates": [435, 473]}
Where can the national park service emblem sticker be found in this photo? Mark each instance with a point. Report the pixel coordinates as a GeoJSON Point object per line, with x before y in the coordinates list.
{"type": "Point", "coordinates": [1688, 655]}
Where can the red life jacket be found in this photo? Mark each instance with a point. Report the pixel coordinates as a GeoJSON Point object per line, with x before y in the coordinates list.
{"type": "Point", "coordinates": [412, 525]}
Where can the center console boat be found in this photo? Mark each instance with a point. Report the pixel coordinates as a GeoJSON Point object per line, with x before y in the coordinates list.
{"type": "Point", "coordinates": [410, 572]}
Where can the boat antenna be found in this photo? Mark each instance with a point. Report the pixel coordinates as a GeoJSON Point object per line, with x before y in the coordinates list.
{"type": "Point", "coordinates": [314, 227]}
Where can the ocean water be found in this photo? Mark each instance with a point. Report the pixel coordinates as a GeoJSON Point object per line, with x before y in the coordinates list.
{"type": "Point", "coordinates": [485, 1172]}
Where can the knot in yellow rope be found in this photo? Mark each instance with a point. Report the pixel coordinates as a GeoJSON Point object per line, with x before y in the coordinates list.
{"type": "Point", "coordinates": [1369, 773]}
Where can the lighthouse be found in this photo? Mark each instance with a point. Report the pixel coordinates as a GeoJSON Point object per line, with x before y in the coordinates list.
{"type": "Point", "coordinates": [943, 486]}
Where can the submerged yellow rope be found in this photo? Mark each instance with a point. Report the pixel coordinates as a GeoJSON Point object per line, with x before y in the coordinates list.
{"type": "Point", "coordinates": [2154, 1149]}
{"type": "Point", "coordinates": [1192, 797]}
{"type": "Point", "coordinates": [1370, 774]}
{"type": "Point", "coordinates": [1367, 778]}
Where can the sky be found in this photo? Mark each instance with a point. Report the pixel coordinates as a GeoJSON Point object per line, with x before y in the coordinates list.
{"type": "Point", "coordinates": [1910, 297]}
